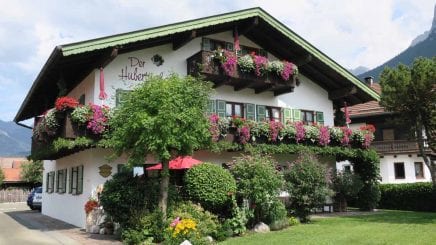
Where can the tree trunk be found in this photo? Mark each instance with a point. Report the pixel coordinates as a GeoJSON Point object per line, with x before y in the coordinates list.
{"type": "Point", "coordinates": [163, 190]}
{"type": "Point", "coordinates": [427, 159]}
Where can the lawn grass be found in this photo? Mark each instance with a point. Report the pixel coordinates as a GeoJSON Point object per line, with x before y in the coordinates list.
{"type": "Point", "coordinates": [383, 227]}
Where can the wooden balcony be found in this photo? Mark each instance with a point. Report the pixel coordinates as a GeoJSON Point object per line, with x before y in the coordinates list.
{"type": "Point", "coordinates": [202, 63]}
{"type": "Point", "coordinates": [395, 147]}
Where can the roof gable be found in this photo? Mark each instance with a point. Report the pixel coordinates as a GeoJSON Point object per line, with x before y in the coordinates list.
{"type": "Point", "coordinates": [256, 24]}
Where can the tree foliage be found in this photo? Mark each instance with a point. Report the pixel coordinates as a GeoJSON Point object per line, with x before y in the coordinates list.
{"type": "Point", "coordinates": [32, 172]}
{"type": "Point", "coordinates": [2, 176]}
{"type": "Point", "coordinates": [163, 117]}
{"type": "Point", "coordinates": [306, 184]}
{"type": "Point", "coordinates": [411, 93]}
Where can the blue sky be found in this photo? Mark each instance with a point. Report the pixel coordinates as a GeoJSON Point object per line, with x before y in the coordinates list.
{"type": "Point", "coordinates": [352, 32]}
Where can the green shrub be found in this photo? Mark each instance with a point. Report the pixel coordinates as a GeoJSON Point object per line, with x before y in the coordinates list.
{"type": "Point", "coordinates": [275, 211]}
{"type": "Point", "coordinates": [369, 196]}
{"type": "Point", "coordinates": [134, 237]}
{"type": "Point", "coordinates": [293, 221]}
{"type": "Point", "coordinates": [257, 181]}
{"type": "Point", "coordinates": [279, 224]}
{"type": "Point", "coordinates": [122, 195]}
{"type": "Point", "coordinates": [413, 197]}
{"type": "Point", "coordinates": [224, 231]}
{"type": "Point", "coordinates": [210, 185]}
{"type": "Point", "coordinates": [307, 186]}
{"type": "Point", "coordinates": [346, 186]}
{"type": "Point", "coordinates": [207, 223]}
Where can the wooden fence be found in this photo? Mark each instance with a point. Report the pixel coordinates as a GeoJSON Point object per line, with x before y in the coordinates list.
{"type": "Point", "coordinates": [13, 195]}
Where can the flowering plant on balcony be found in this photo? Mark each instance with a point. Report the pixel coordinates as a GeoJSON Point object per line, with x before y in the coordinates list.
{"type": "Point", "coordinates": [64, 103]}
{"type": "Point", "coordinates": [259, 129]}
{"type": "Point", "coordinates": [218, 127]}
{"type": "Point", "coordinates": [99, 121]}
{"type": "Point", "coordinates": [258, 64]}
{"type": "Point", "coordinates": [274, 130]}
{"type": "Point", "coordinates": [81, 114]}
{"type": "Point", "coordinates": [46, 126]}
{"type": "Point", "coordinates": [368, 127]}
{"type": "Point", "coordinates": [288, 132]}
{"type": "Point", "coordinates": [237, 121]}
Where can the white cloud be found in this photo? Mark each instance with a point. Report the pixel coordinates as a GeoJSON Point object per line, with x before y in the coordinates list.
{"type": "Point", "coordinates": [358, 32]}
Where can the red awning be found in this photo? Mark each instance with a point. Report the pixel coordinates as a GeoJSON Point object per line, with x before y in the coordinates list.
{"type": "Point", "coordinates": [181, 162]}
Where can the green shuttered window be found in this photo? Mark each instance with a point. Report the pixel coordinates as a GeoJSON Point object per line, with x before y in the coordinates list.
{"type": "Point", "coordinates": [250, 111]}
{"type": "Point", "coordinates": [76, 180]}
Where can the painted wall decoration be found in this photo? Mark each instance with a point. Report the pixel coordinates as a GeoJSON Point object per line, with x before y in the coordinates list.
{"type": "Point", "coordinates": [157, 60]}
{"type": "Point", "coordinates": [105, 170]}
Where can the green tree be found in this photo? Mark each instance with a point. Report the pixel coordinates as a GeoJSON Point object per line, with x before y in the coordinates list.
{"type": "Point", "coordinates": [2, 176]}
{"type": "Point", "coordinates": [164, 117]}
{"type": "Point", "coordinates": [411, 93]}
{"type": "Point", "coordinates": [307, 185]}
{"type": "Point", "coordinates": [32, 172]}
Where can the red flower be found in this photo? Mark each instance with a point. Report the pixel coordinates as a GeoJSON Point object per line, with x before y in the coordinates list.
{"type": "Point", "coordinates": [368, 127]}
{"type": "Point", "coordinates": [90, 205]}
{"type": "Point", "coordinates": [64, 103]}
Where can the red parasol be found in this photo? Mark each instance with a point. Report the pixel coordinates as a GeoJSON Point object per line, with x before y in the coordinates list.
{"type": "Point", "coordinates": [181, 162]}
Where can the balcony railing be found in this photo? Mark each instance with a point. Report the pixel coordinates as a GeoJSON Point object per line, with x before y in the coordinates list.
{"type": "Point", "coordinates": [395, 146]}
{"type": "Point", "coordinates": [202, 63]}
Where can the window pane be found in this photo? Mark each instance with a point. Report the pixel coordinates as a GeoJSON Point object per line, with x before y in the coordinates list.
{"type": "Point", "coordinates": [309, 117]}
{"type": "Point", "coordinates": [399, 170]}
{"type": "Point", "coordinates": [267, 114]}
{"type": "Point", "coordinates": [419, 170]}
{"type": "Point", "coordinates": [238, 110]}
{"type": "Point", "coordinates": [276, 114]}
{"type": "Point", "coordinates": [228, 110]}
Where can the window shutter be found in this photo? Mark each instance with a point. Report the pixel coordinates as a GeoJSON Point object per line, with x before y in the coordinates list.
{"type": "Point", "coordinates": [319, 117]}
{"type": "Point", "coordinates": [221, 108]}
{"type": "Point", "coordinates": [80, 180]}
{"type": "Point", "coordinates": [211, 107]}
{"type": "Point", "coordinates": [70, 189]}
{"type": "Point", "coordinates": [47, 182]}
{"type": "Point", "coordinates": [229, 46]}
{"type": "Point", "coordinates": [250, 112]}
{"type": "Point", "coordinates": [261, 113]}
{"type": "Point", "coordinates": [286, 115]}
{"type": "Point", "coordinates": [82, 99]}
{"type": "Point", "coordinates": [296, 115]}
{"type": "Point", "coordinates": [206, 44]}
{"type": "Point", "coordinates": [64, 187]}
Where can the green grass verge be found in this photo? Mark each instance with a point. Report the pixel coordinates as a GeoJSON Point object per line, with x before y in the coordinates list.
{"type": "Point", "coordinates": [384, 227]}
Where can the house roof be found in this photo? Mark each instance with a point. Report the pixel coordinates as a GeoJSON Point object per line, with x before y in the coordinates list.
{"type": "Point", "coordinates": [371, 108]}
{"type": "Point", "coordinates": [69, 64]}
{"type": "Point", "coordinates": [12, 174]}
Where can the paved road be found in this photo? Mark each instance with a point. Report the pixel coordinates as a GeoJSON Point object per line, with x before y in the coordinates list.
{"type": "Point", "coordinates": [14, 229]}
{"type": "Point", "coordinates": [20, 225]}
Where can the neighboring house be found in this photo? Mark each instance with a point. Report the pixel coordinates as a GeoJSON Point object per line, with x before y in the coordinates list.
{"type": "Point", "coordinates": [400, 161]}
{"type": "Point", "coordinates": [184, 48]}
{"type": "Point", "coordinates": [11, 168]}
{"type": "Point", "coordinates": [13, 188]}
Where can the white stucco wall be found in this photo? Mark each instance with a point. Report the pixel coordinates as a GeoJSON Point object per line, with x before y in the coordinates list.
{"type": "Point", "coordinates": [68, 207]}
{"type": "Point", "coordinates": [86, 87]}
{"type": "Point", "coordinates": [307, 96]}
{"type": "Point", "coordinates": [387, 170]}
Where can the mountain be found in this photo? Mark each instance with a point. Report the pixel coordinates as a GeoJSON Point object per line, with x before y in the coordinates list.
{"type": "Point", "coordinates": [14, 139]}
{"type": "Point", "coordinates": [424, 45]}
{"type": "Point", "coordinates": [359, 70]}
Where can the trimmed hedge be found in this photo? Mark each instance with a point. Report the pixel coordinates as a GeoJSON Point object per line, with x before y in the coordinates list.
{"type": "Point", "coordinates": [413, 197]}
{"type": "Point", "coordinates": [210, 185]}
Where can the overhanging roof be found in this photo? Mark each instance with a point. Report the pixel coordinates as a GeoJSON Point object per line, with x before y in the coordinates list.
{"type": "Point", "coordinates": [72, 62]}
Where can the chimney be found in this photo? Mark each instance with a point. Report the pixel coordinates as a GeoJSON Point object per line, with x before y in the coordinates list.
{"type": "Point", "coordinates": [369, 81]}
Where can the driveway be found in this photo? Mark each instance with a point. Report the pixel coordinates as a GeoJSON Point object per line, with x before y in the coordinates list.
{"type": "Point", "coordinates": [20, 225]}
